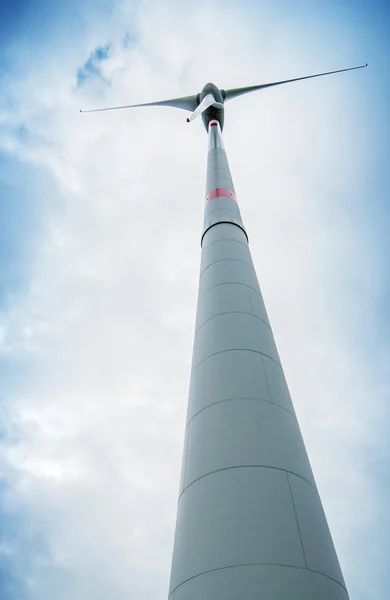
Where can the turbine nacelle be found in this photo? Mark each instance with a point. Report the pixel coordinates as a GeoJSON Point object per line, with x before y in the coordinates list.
{"type": "Point", "coordinates": [209, 105]}
{"type": "Point", "coordinates": [214, 110]}
{"type": "Point", "coordinates": [210, 101]}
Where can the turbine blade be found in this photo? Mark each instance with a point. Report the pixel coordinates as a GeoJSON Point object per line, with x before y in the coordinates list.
{"type": "Point", "coordinates": [207, 101]}
{"type": "Point", "coordinates": [233, 93]}
{"type": "Point", "coordinates": [186, 103]}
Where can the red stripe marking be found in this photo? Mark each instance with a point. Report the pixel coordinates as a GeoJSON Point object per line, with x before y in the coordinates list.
{"type": "Point", "coordinates": [220, 192]}
{"type": "Point", "coordinates": [213, 123]}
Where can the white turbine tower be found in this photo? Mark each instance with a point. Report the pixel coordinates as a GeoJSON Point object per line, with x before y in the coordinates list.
{"type": "Point", "coordinates": [250, 523]}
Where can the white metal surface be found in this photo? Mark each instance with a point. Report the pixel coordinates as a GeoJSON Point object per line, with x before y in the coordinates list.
{"type": "Point", "coordinates": [250, 522]}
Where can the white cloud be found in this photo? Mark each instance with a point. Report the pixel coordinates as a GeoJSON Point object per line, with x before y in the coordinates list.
{"type": "Point", "coordinates": [108, 319]}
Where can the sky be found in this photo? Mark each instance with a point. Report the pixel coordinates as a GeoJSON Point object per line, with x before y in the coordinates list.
{"type": "Point", "coordinates": [100, 223]}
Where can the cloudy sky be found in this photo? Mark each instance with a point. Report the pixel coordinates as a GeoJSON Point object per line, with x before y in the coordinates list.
{"type": "Point", "coordinates": [100, 221]}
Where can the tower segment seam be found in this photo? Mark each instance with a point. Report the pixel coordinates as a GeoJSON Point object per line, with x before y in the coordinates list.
{"type": "Point", "coordinates": [230, 283]}
{"type": "Point", "coordinates": [186, 442]}
{"type": "Point", "coordinates": [233, 312]}
{"type": "Point", "coordinates": [228, 240]}
{"type": "Point", "coordinates": [250, 302]}
{"type": "Point", "coordinates": [250, 467]}
{"type": "Point", "coordinates": [236, 350]}
{"type": "Point", "coordinates": [296, 517]}
{"type": "Point", "coordinates": [219, 223]}
{"type": "Point", "coordinates": [266, 378]}
{"type": "Point", "coordinates": [243, 398]}
{"type": "Point", "coordinates": [224, 259]}
{"type": "Point", "coordinates": [261, 565]}
{"type": "Point", "coordinates": [223, 208]}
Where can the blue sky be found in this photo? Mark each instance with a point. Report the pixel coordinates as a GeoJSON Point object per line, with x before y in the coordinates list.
{"type": "Point", "coordinates": [90, 443]}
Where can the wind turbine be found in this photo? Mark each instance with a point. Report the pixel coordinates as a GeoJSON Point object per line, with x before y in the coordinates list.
{"type": "Point", "coordinates": [250, 523]}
